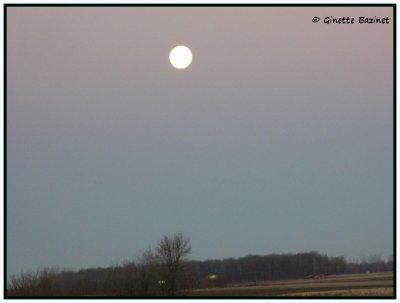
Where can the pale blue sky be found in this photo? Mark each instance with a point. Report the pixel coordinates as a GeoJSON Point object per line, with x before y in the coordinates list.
{"type": "Point", "coordinates": [277, 139]}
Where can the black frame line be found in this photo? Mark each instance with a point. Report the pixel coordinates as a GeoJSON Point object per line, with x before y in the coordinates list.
{"type": "Point", "coordinates": [394, 6]}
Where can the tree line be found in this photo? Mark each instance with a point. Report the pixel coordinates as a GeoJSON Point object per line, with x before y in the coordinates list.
{"type": "Point", "coordinates": [167, 271]}
{"type": "Point", "coordinates": [285, 266]}
{"type": "Point", "coordinates": [159, 272]}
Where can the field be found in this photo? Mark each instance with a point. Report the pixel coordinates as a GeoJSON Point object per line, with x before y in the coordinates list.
{"type": "Point", "coordinates": [347, 285]}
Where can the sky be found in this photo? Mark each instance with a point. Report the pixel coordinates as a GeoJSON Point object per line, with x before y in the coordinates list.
{"type": "Point", "coordinates": [278, 138]}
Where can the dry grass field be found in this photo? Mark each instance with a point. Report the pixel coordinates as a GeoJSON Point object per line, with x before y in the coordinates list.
{"type": "Point", "coordinates": [347, 285]}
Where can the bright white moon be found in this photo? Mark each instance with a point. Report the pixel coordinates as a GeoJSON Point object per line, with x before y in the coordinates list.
{"type": "Point", "coordinates": [180, 57]}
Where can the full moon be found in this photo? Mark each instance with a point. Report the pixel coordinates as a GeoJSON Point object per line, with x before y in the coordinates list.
{"type": "Point", "coordinates": [180, 57]}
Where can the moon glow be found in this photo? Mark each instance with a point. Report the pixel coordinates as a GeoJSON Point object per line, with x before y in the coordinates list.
{"type": "Point", "coordinates": [180, 57]}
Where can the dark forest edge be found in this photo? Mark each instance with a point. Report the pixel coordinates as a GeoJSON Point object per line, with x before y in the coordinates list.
{"type": "Point", "coordinates": [167, 271]}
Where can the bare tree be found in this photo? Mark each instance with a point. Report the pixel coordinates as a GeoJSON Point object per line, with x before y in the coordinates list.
{"type": "Point", "coordinates": [172, 252]}
{"type": "Point", "coordinates": [148, 274]}
{"type": "Point", "coordinates": [24, 284]}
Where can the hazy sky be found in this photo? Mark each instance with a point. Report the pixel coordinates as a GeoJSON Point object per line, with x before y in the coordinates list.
{"type": "Point", "coordinates": [277, 139]}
